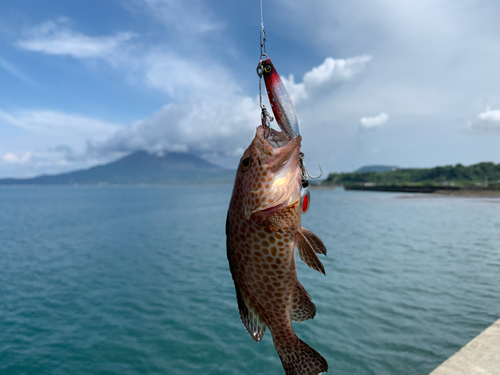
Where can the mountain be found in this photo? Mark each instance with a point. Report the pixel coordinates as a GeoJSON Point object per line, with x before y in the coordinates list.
{"type": "Point", "coordinates": [139, 167]}
{"type": "Point", "coordinates": [376, 168]}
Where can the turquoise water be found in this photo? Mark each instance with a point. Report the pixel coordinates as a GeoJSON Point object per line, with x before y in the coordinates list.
{"type": "Point", "coordinates": [134, 280]}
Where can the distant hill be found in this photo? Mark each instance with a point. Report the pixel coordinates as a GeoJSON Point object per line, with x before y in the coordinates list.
{"type": "Point", "coordinates": [139, 167]}
{"type": "Point", "coordinates": [376, 168]}
{"type": "Point", "coordinates": [481, 174]}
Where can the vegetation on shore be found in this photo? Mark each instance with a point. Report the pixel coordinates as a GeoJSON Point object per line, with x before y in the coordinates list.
{"type": "Point", "coordinates": [481, 174]}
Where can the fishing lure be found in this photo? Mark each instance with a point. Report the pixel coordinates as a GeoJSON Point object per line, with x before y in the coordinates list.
{"type": "Point", "coordinates": [281, 104]}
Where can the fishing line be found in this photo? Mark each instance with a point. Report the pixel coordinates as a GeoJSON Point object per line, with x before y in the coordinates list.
{"type": "Point", "coordinates": [266, 118]}
{"type": "Point", "coordinates": [261, 16]}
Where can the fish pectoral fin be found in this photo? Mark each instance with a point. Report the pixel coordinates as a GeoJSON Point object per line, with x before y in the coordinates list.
{"type": "Point", "coordinates": [302, 306]}
{"type": "Point", "coordinates": [307, 252]}
{"type": "Point", "coordinates": [252, 321]}
{"type": "Point", "coordinates": [315, 241]}
{"type": "Point", "coordinates": [283, 219]}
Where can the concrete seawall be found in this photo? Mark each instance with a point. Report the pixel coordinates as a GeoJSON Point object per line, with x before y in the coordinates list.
{"type": "Point", "coordinates": [480, 356]}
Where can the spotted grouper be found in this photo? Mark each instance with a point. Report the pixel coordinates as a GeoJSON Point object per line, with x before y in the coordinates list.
{"type": "Point", "coordinates": [263, 229]}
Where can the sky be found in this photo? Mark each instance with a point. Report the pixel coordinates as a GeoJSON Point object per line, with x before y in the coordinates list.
{"type": "Point", "coordinates": [402, 83]}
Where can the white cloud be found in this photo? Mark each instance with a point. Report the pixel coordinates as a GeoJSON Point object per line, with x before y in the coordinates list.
{"type": "Point", "coordinates": [434, 62]}
{"type": "Point", "coordinates": [374, 122]}
{"type": "Point", "coordinates": [15, 71]}
{"type": "Point", "coordinates": [52, 160]}
{"type": "Point", "coordinates": [160, 67]}
{"type": "Point", "coordinates": [490, 115]}
{"type": "Point", "coordinates": [210, 115]}
{"type": "Point", "coordinates": [181, 77]}
{"type": "Point", "coordinates": [55, 38]}
{"type": "Point", "coordinates": [487, 121]}
{"type": "Point", "coordinates": [188, 16]}
{"type": "Point", "coordinates": [12, 158]}
{"type": "Point", "coordinates": [52, 141]}
{"type": "Point", "coordinates": [221, 121]}
{"type": "Point", "coordinates": [211, 118]}
{"type": "Point", "coordinates": [58, 123]}
{"type": "Point", "coordinates": [325, 78]}
{"type": "Point", "coordinates": [220, 127]}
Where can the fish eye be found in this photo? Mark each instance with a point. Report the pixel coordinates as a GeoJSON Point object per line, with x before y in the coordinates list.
{"type": "Point", "coordinates": [245, 163]}
{"type": "Point", "coordinates": [268, 68]}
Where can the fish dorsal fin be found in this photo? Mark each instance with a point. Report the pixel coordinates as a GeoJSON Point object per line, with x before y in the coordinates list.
{"type": "Point", "coordinates": [307, 251]}
{"type": "Point", "coordinates": [302, 306]}
{"type": "Point", "coordinates": [253, 323]}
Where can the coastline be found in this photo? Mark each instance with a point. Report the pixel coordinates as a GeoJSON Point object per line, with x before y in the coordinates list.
{"type": "Point", "coordinates": [470, 193]}
{"type": "Point", "coordinates": [479, 192]}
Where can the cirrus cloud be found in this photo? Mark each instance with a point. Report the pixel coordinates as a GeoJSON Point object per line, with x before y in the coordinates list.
{"type": "Point", "coordinates": [49, 122]}
{"type": "Point", "coordinates": [56, 38]}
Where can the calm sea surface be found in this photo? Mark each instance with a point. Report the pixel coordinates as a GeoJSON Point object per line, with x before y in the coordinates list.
{"type": "Point", "coordinates": [134, 280]}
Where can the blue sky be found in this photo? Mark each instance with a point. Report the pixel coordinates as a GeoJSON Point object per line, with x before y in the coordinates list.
{"type": "Point", "coordinates": [412, 83]}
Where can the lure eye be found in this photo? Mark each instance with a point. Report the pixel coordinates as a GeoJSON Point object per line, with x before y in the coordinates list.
{"type": "Point", "coordinates": [245, 163]}
{"type": "Point", "coordinates": [268, 69]}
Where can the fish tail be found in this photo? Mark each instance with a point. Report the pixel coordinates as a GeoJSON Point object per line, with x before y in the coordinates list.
{"type": "Point", "coordinates": [298, 358]}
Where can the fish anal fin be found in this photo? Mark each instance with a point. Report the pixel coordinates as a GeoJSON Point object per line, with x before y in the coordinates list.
{"type": "Point", "coordinates": [314, 240]}
{"type": "Point", "coordinates": [302, 306]}
{"type": "Point", "coordinates": [308, 254]}
{"type": "Point", "coordinates": [251, 320]}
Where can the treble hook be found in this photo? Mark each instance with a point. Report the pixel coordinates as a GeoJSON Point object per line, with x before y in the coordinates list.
{"type": "Point", "coordinates": [266, 118]}
{"type": "Point", "coordinates": [266, 114]}
{"type": "Point", "coordinates": [304, 174]}
{"type": "Point", "coordinates": [320, 174]}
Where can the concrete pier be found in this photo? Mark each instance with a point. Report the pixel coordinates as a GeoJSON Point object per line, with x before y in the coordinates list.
{"type": "Point", "coordinates": [480, 356]}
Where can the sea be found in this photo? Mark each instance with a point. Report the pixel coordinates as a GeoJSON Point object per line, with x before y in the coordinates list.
{"type": "Point", "coordinates": [135, 280]}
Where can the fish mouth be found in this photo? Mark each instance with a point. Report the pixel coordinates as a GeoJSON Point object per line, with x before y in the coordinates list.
{"type": "Point", "coordinates": [275, 138]}
{"type": "Point", "coordinates": [285, 151]}
{"type": "Point", "coordinates": [283, 161]}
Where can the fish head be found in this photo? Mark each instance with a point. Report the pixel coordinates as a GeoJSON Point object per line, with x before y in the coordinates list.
{"type": "Point", "coordinates": [268, 177]}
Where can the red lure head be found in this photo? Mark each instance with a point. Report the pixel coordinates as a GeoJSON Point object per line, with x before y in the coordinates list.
{"type": "Point", "coordinates": [271, 76]}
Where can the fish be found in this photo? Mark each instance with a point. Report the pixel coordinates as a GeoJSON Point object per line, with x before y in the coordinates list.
{"type": "Point", "coordinates": [263, 229]}
{"type": "Point", "coordinates": [281, 104]}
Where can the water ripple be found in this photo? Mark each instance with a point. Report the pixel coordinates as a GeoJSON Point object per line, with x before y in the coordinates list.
{"type": "Point", "coordinates": [128, 280]}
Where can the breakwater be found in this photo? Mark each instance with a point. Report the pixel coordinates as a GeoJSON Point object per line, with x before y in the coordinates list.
{"type": "Point", "coordinates": [454, 190]}
{"type": "Point", "coordinates": [479, 356]}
